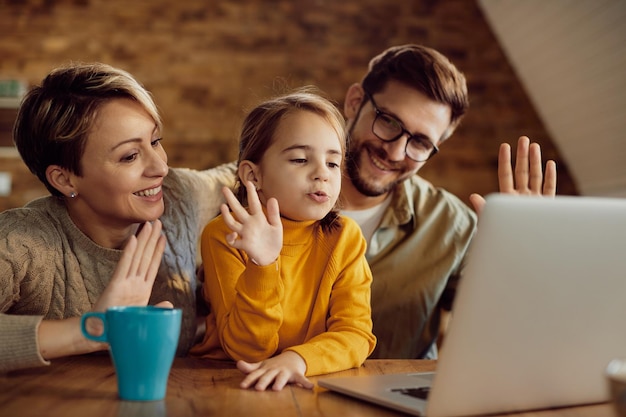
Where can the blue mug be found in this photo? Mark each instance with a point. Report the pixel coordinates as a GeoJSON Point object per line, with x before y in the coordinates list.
{"type": "Point", "coordinates": [142, 341]}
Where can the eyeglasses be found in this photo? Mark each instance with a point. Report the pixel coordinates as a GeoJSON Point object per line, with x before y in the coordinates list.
{"type": "Point", "coordinates": [389, 129]}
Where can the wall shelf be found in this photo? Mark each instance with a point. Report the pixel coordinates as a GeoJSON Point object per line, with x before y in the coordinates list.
{"type": "Point", "coordinates": [10, 102]}
{"type": "Point", "coordinates": [8, 113]}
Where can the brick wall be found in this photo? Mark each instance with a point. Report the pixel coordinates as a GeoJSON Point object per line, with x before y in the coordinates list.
{"type": "Point", "coordinates": [207, 62]}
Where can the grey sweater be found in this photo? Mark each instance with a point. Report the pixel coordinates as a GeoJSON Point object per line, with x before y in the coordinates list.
{"type": "Point", "coordinates": [50, 269]}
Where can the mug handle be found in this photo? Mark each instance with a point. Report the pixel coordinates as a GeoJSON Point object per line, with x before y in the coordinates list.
{"type": "Point", "coordinates": [83, 328]}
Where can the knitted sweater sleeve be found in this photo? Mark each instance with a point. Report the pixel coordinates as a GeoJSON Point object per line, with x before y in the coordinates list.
{"type": "Point", "coordinates": [200, 191]}
{"type": "Point", "coordinates": [20, 249]}
{"type": "Point", "coordinates": [244, 297]}
{"type": "Point", "coordinates": [19, 348]}
{"type": "Point", "coordinates": [192, 199]}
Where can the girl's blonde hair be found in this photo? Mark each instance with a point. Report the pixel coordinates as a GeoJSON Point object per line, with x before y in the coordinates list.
{"type": "Point", "coordinates": [259, 126]}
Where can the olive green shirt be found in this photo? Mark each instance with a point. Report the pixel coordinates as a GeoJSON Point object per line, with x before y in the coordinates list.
{"type": "Point", "coordinates": [420, 246]}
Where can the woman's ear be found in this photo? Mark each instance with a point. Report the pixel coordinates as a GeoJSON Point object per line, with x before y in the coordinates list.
{"type": "Point", "coordinates": [61, 179]}
{"type": "Point", "coordinates": [354, 98]}
{"type": "Point", "coordinates": [249, 171]}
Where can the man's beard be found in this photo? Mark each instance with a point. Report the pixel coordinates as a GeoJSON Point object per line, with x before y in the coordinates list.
{"type": "Point", "coordinates": [361, 184]}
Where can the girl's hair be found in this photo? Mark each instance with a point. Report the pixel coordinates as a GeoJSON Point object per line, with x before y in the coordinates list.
{"type": "Point", "coordinates": [257, 133]}
{"type": "Point", "coordinates": [55, 118]}
{"type": "Point", "coordinates": [425, 70]}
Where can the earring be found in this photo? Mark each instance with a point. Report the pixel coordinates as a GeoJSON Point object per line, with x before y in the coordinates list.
{"type": "Point", "coordinates": [73, 194]}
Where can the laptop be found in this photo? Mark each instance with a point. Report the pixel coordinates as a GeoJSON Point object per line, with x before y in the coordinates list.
{"type": "Point", "coordinates": [538, 315]}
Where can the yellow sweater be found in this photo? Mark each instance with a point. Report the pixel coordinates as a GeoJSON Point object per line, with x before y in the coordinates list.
{"type": "Point", "coordinates": [314, 300]}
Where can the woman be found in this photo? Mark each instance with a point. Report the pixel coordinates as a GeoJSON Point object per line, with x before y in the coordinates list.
{"type": "Point", "coordinates": [92, 134]}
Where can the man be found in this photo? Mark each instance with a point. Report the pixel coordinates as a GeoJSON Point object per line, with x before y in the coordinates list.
{"type": "Point", "coordinates": [409, 102]}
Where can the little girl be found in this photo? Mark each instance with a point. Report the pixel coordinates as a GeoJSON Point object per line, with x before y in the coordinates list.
{"type": "Point", "coordinates": [285, 275]}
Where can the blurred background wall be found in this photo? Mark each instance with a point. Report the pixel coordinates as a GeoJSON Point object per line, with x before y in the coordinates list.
{"type": "Point", "coordinates": [208, 62]}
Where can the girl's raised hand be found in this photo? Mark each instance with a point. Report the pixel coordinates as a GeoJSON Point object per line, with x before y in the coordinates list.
{"type": "Point", "coordinates": [259, 234]}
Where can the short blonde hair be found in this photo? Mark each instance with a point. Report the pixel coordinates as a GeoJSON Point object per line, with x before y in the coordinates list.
{"type": "Point", "coordinates": [55, 118]}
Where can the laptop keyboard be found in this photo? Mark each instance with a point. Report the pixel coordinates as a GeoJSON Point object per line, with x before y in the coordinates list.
{"type": "Point", "coordinates": [421, 392]}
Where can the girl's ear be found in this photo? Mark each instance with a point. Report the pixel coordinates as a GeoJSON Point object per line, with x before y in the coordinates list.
{"type": "Point", "coordinates": [352, 103]}
{"type": "Point", "coordinates": [249, 171]}
{"type": "Point", "coordinates": [61, 179]}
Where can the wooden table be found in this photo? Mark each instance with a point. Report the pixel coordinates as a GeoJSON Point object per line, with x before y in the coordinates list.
{"type": "Point", "coordinates": [86, 386]}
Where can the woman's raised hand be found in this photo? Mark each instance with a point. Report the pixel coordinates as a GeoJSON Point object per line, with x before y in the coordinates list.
{"type": "Point", "coordinates": [132, 280]}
